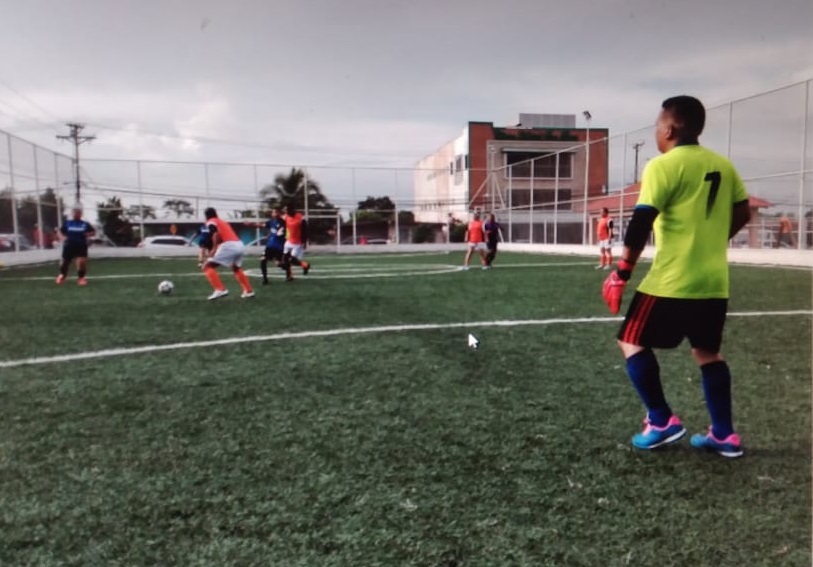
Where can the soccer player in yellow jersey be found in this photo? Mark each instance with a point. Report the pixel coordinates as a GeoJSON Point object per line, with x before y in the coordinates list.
{"type": "Point", "coordinates": [696, 202]}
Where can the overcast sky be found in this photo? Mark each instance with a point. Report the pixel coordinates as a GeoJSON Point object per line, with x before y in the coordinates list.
{"type": "Point", "coordinates": [371, 82]}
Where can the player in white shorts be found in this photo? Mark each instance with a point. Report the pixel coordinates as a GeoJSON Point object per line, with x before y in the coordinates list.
{"type": "Point", "coordinates": [228, 251]}
{"type": "Point", "coordinates": [476, 238]}
{"type": "Point", "coordinates": [296, 240]}
{"type": "Point", "coordinates": [605, 240]}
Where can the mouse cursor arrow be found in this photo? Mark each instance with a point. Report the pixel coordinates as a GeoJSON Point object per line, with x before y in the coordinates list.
{"type": "Point", "coordinates": [474, 342]}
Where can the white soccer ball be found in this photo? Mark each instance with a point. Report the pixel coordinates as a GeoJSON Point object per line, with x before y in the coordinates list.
{"type": "Point", "coordinates": [165, 287]}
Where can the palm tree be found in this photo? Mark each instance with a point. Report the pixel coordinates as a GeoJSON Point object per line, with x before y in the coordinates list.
{"type": "Point", "coordinates": [291, 189]}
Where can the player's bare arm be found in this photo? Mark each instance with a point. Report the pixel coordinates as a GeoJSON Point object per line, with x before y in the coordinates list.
{"type": "Point", "coordinates": [216, 239]}
{"type": "Point", "coordinates": [741, 216]}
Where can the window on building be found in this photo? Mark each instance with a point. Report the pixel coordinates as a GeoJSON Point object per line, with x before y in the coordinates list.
{"type": "Point", "coordinates": [544, 165]}
{"type": "Point", "coordinates": [544, 199]}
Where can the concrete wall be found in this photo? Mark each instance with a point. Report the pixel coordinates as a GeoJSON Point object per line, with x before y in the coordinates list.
{"type": "Point", "coordinates": [770, 257]}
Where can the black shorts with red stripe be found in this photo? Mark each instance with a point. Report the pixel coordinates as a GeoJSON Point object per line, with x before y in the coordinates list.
{"type": "Point", "coordinates": [663, 322]}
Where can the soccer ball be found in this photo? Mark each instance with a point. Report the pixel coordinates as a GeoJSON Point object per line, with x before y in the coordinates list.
{"type": "Point", "coordinates": [165, 287]}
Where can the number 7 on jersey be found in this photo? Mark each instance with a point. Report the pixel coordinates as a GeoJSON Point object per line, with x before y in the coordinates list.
{"type": "Point", "coordinates": [714, 178]}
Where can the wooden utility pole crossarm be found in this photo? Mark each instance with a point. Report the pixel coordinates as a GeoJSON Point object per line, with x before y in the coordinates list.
{"type": "Point", "coordinates": [77, 140]}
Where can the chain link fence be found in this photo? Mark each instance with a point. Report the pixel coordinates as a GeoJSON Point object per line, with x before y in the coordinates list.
{"type": "Point", "coordinates": [768, 136]}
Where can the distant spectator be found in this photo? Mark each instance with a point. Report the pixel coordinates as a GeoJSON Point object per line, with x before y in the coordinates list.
{"type": "Point", "coordinates": [785, 234]}
{"type": "Point", "coordinates": [39, 237]}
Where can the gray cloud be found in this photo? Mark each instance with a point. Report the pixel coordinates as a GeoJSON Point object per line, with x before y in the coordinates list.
{"type": "Point", "coordinates": [368, 82]}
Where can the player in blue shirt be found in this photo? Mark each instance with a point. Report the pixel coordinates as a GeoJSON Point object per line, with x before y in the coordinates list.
{"type": "Point", "coordinates": [75, 233]}
{"type": "Point", "coordinates": [493, 231]}
{"type": "Point", "coordinates": [204, 243]}
{"type": "Point", "coordinates": [275, 243]}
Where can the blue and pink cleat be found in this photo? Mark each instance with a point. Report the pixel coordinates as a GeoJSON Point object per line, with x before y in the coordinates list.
{"type": "Point", "coordinates": [653, 436]}
{"type": "Point", "coordinates": [730, 447]}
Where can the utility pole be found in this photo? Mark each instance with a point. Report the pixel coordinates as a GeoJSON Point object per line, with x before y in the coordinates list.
{"type": "Point", "coordinates": [77, 141]}
{"type": "Point", "coordinates": [637, 148]}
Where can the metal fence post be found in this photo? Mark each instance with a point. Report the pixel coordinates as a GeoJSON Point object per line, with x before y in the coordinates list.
{"type": "Point", "coordinates": [259, 202]}
{"type": "Point", "coordinates": [56, 191]}
{"type": "Point", "coordinates": [140, 201]}
{"type": "Point", "coordinates": [531, 210]}
{"type": "Point", "coordinates": [40, 234]}
{"type": "Point", "coordinates": [510, 203]}
{"type": "Point", "coordinates": [556, 200]}
{"type": "Point", "coordinates": [802, 239]}
{"type": "Point", "coordinates": [395, 202]}
{"type": "Point", "coordinates": [623, 187]}
{"type": "Point", "coordinates": [14, 226]}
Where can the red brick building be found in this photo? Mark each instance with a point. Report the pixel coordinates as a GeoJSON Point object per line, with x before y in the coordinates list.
{"type": "Point", "coordinates": [530, 171]}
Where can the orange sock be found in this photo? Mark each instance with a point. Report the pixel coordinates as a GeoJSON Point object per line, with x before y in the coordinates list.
{"type": "Point", "coordinates": [213, 277]}
{"type": "Point", "coordinates": [243, 279]}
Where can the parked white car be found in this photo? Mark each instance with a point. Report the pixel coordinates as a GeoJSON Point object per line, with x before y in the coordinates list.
{"type": "Point", "coordinates": [165, 241]}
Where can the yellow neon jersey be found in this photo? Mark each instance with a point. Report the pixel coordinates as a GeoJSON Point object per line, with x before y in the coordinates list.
{"type": "Point", "coordinates": [694, 190]}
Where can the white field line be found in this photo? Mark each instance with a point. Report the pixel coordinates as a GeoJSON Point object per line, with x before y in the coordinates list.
{"type": "Point", "coordinates": [107, 353]}
{"type": "Point", "coordinates": [330, 271]}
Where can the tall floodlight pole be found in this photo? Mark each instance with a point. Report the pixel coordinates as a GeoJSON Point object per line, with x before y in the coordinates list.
{"type": "Point", "coordinates": [77, 140]}
{"type": "Point", "coordinates": [587, 117]}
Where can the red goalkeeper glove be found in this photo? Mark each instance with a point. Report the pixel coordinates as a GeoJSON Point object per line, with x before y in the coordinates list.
{"type": "Point", "coordinates": [614, 285]}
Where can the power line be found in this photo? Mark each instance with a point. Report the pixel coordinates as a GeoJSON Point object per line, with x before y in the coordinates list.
{"type": "Point", "coordinates": [223, 142]}
{"type": "Point", "coordinates": [29, 101]}
{"type": "Point", "coordinates": [77, 141]}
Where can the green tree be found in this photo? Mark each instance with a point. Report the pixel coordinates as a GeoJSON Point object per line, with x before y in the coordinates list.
{"type": "Point", "coordinates": [406, 218]}
{"type": "Point", "coordinates": [51, 206]}
{"type": "Point", "coordinates": [27, 211]}
{"type": "Point", "coordinates": [423, 233]}
{"type": "Point", "coordinates": [180, 207]}
{"type": "Point", "coordinates": [133, 212]}
{"type": "Point", "coordinates": [457, 232]}
{"type": "Point", "coordinates": [293, 189]}
{"type": "Point", "coordinates": [114, 222]}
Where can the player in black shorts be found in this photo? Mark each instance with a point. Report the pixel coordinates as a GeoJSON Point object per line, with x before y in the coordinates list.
{"type": "Point", "coordinates": [204, 244]}
{"type": "Point", "coordinates": [493, 236]}
{"type": "Point", "coordinates": [75, 233]}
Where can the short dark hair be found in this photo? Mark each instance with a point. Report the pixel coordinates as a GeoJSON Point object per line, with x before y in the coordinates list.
{"type": "Point", "coordinates": [290, 209]}
{"type": "Point", "coordinates": [210, 212]}
{"type": "Point", "coordinates": [688, 114]}
{"type": "Point", "coordinates": [605, 210]}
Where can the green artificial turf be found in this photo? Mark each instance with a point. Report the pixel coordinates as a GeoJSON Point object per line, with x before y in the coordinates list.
{"type": "Point", "coordinates": [387, 448]}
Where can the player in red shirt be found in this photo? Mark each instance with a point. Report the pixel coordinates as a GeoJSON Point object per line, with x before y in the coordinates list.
{"type": "Point", "coordinates": [605, 240]}
{"type": "Point", "coordinates": [227, 250]}
{"type": "Point", "coordinates": [296, 241]}
{"type": "Point", "coordinates": [476, 239]}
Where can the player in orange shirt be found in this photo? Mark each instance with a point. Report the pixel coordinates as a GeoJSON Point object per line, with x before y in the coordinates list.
{"type": "Point", "coordinates": [785, 234]}
{"type": "Point", "coordinates": [227, 250]}
{"type": "Point", "coordinates": [605, 240]}
{"type": "Point", "coordinates": [476, 239]}
{"type": "Point", "coordinates": [296, 241]}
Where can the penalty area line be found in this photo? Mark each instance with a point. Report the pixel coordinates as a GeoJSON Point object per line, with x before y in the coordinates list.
{"type": "Point", "coordinates": [126, 351]}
